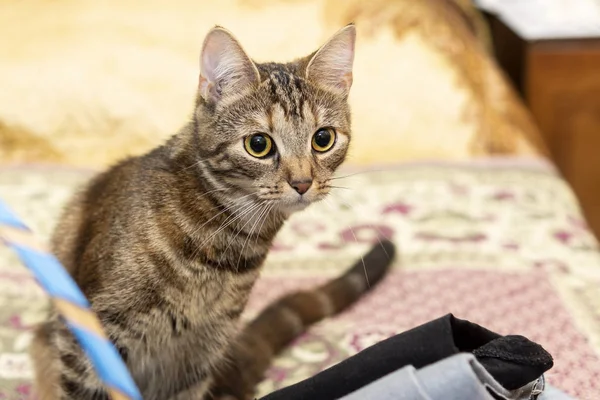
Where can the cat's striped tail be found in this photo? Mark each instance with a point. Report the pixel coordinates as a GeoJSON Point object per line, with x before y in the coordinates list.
{"type": "Point", "coordinates": [284, 320]}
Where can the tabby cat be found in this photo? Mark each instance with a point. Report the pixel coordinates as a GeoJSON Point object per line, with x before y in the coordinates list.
{"type": "Point", "coordinates": [168, 245]}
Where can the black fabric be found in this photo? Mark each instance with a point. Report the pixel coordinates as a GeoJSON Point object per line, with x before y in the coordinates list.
{"type": "Point", "coordinates": [513, 359]}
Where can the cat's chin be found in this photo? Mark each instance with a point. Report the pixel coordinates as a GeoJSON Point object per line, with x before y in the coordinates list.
{"type": "Point", "coordinates": [292, 207]}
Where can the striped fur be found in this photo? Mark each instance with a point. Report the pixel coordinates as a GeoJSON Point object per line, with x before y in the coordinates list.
{"type": "Point", "coordinates": [168, 245]}
{"type": "Point", "coordinates": [284, 320]}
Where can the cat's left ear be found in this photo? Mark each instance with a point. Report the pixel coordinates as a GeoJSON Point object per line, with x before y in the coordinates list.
{"type": "Point", "coordinates": [225, 68]}
{"type": "Point", "coordinates": [331, 66]}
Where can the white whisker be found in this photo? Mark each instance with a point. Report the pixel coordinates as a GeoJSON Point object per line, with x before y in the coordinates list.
{"type": "Point", "coordinates": [356, 240]}
{"type": "Point", "coordinates": [223, 226]}
{"type": "Point", "coordinates": [265, 206]}
{"type": "Point", "coordinates": [360, 173]}
{"type": "Point", "coordinates": [240, 230]}
{"type": "Point", "coordinates": [264, 218]}
{"type": "Point", "coordinates": [227, 208]}
{"type": "Point", "coordinates": [381, 235]}
{"type": "Point", "coordinates": [339, 187]}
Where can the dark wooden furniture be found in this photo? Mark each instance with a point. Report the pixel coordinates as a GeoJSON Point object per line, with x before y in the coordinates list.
{"type": "Point", "coordinates": [560, 82]}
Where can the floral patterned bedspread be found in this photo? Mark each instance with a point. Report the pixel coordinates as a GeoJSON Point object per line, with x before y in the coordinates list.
{"type": "Point", "coordinates": [499, 242]}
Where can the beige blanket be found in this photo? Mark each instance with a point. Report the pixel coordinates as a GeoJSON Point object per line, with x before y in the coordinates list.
{"type": "Point", "coordinates": [86, 82]}
{"type": "Point", "coordinates": [501, 243]}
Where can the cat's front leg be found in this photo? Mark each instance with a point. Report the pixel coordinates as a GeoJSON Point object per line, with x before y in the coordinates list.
{"type": "Point", "coordinates": [46, 365]}
{"type": "Point", "coordinates": [197, 392]}
{"type": "Point", "coordinates": [205, 391]}
{"type": "Point", "coordinates": [61, 370]}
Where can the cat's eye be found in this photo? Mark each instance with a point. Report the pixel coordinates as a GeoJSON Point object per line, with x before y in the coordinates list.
{"type": "Point", "coordinates": [259, 145]}
{"type": "Point", "coordinates": [323, 139]}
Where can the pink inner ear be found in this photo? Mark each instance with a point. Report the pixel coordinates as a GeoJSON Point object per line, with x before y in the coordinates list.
{"type": "Point", "coordinates": [211, 54]}
{"type": "Point", "coordinates": [332, 65]}
{"type": "Point", "coordinates": [347, 79]}
{"type": "Point", "coordinates": [204, 86]}
{"type": "Point", "coordinates": [224, 66]}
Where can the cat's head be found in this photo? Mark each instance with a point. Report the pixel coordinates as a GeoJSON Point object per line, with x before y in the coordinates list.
{"type": "Point", "coordinates": [275, 132]}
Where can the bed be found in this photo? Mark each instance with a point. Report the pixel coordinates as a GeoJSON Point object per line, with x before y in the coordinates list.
{"type": "Point", "coordinates": [446, 161]}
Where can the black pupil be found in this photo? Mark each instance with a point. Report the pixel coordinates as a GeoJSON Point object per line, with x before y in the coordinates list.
{"type": "Point", "coordinates": [322, 138]}
{"type": "Point", "coordinates": [258, 143]}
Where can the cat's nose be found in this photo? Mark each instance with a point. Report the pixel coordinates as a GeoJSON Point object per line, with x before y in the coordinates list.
{"type": "Point", "coordinates": [301, 186]}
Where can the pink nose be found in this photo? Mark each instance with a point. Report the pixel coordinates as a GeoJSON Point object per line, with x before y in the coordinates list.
{"type": "Point", "coordinates": [301, 186]}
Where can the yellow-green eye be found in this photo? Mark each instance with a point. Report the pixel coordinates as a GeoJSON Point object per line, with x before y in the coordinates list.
{"type": "Point", "coordinates": [323, 139]}
{"type": "Point", "coordinates": [258, 145]}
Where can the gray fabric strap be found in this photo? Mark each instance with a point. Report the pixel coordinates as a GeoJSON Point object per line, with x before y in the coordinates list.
{"type": "Point", "coordinates": [399, 385]}
{"type": "Point", "coordinates": [458, 377]}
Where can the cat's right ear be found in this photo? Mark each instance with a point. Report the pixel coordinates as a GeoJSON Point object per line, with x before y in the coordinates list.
{"type": "Point", "coordinates": [225, 68]}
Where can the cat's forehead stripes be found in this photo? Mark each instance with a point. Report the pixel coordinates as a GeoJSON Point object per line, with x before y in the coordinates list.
{"type": "Point", "coordinates": [287, 90]}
